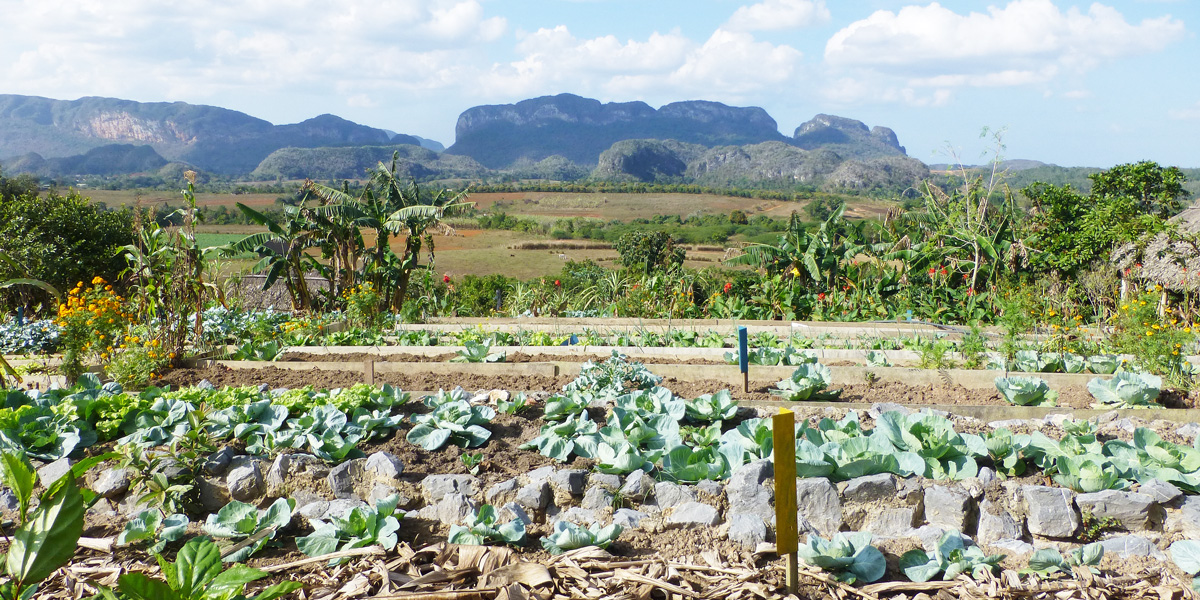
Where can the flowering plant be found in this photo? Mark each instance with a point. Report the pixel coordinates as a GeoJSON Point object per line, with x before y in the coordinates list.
{"type": "Point", "coordinates": [92, 323]}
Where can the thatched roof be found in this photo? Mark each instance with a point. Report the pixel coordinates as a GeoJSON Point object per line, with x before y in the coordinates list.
{"type": "Point", "coordinates": [1175, 265]}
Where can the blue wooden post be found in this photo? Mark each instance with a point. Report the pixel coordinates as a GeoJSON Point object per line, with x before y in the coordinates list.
{"type": "Point", "coordinates": [744, 358]}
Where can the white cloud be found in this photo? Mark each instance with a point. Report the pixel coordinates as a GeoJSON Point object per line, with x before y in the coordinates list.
{"type": "Point", "coordinates": [778, 14]}
{"type": "Point", "coordinates": [669, 65]}
{"type": "Point", "coordinates": [1023, 42]}
{"type": "Point", "coordinates": [1191, 113]}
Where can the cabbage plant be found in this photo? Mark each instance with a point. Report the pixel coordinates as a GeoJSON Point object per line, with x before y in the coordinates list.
{"type": "Point", "coordinates": [927, 445]}
{"type": "Point", "coordinates": [483, 527]}
{"type": "Point", "coordinates": [1026, 391]}
{"type": "Point", "coordinates": [808, 381]}
{"type": "Point", "coordinates": [1186, 554]}
{"type": "Point", "coordinates": [454, 422]}
{"type": "Point", "coordinates": [557, 440]}
{"type": "Point", "coordinates": [712, 407]}
{"type": "Point", "coordinates": [362, 526]}
{"type": "Point", "coordinates": [1126, 390]}
{"type": "Point", "coordinates": [561, 406]}
{"type": "Point", "coordinates": [951, 557]}
{"type": "Point", "coordinates": [848, 556]}
{"type": "Point", "coordinates": [1103, 364]}
{"type": "Point", "coordinates": [1048, 561]}
{"type": "Point", "coordinates": [690, 465]}
{"type": "Point", "coordinates": [238, 520]}
{"type": "Point", "coordinates": [1088, 473]}
{"type": "Point", "coordinates": [569, 536]}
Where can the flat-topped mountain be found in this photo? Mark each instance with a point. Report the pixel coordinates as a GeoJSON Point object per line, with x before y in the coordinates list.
{"type": "Point", "coordinates": [581, 128]}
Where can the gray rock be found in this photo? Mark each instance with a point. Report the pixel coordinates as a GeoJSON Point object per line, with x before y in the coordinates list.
{"type": "Point", "coordinates": [1008, 424]}
{"type": "Point", "coordinates": [382, 491]}
{"type": "Point", "coordinates": [246, 482]}
{"type": "Point", "coordinates": [1057, 419]}
{"type": "Point", "coordinates": [929, 535]}
{"type": "Point", "coordinates": [436, 487]}
{"type": "Point", "coordinates": [540, 474]}
{"type": "Point", "coordinates": [669, 495]}
{"type": "Point", "coordinates": [305, 497]}
{"type": "Point", "coordinates": [638, 486]}
{"type": "Point", "coordinates": [870, 488]}
{"type": "Point", "coordinates": [892, 522]}
{"type": "Point", "coordinates": [8, 501]}
{"type": "Point", "coordinates": [1136, 512]}
{"type": "Point", "coordinates": [576, 515]}
{"type": "Point", "coordinates": [948, 507]}
{"type": "Point", "coordinates": [817, 501]}
{"type": "Point", "coordinates": [1128, 546]}
{"type": "Point", "coordinates": [1186, 520]}
{"type": "Point", "coordinates": [452, 509]}
{"type": "Point", "coordinates": [54, 471]}
{"type": "Point", "coordinates": [1013, 547]}
{"type": "Point", "coordinates": [996, 524]}
{"type": "Point", "coordinates": [535, 496]}
{"type": "Point", "coordinates": [102, 508]}
{"type": "Point", "coordinates": [1189, 431]}
{"type": "Point", "coordinates": [501, 492]}
{"type": "Point", "coordinates": [987, 476]}
{"type": "Point", "coordinates": [710, 488]}
{"type": "Point", "coordinates": [342, 477]}
{"type": "Point", "coordinates": [596, 498]}
{"type": "Point", "coordinates": [693, 514]}
{"type": "Point", "coordinates": [513, 512]}
{"type": "Point", "coordinates": [628, 518]}
{"type": "Point", "coordinates": [218, 462]}
{"type": "Point", "coordinates": [571, 481]}
{"type": "Point", "coordinates": [1051, 511]}
{"type": "Point", "coordinates": [342, 506]}
{"type": "Point", "coordinates": [214, 493]}
{"type": "Point", "coordinates": [292, 466]}
{"type": "Point", "coordinates": [314, 510]}
{"type": "Point", "coordinates": [1161, 491]}
{"type": "Point", "coordinates": [384, 465]}
{"type": "Point", "coordinates": [172, 468]}
{"type": "Point", "coordinates": [879, 408]}
{"type": "Point", "coordinates": [1107, 417]}
{"type": "Point", "coordinates": [608, 480]}
{"type": "Point", "coordinates": [747, 530]}
{"type": "Point", "coordinates": [112, 483]}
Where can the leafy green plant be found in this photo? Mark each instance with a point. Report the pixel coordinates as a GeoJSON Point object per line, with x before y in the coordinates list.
{"type": "Point", "coordinates": [569, 536]}
{"type": "Point", "coordinates": [754, 436]}
{"type": "Point", "coordinates": [1186, 554]}
{"type": "Point", "coordinates": [557, 440]}
{"type": "Point", "coordinates": [1092, 528]}
{"type": "Point", "coordinates": [483, 527]}
{"type": "Point", "coordinates": [1047, 561]}
{"type": "Point", "coordinates": [324, 431]}
{"type": "Point", "coordinates": [561, 406]}
{"type": "Point", "coordinates": [152, 526]}
{"type": "Point", "coordinates": [808, 381]}
{"type": "Point", "coordinates": [197, 574]}
{"type": "Point", "coordinates": [1125, 390]}
{"type": "Point", "coordinates": [251, 423]}
{"type": "Point", "coordinates": [952, 557]}
{"type": "Point", "coordinates": [1088, 473]}
{"type": "Point", "coordinates": [1103, 364]}
{"type": "Point", "coordinates": [1005, 452]}
{"type": "Point", "coordinates": [1026, 361]}
{"type": "Point", "coordinates": [1026, 391]}
{"type": "Point", "coordinates": [927, 445]}
{"type": "Point", "coordinates": [690, 465]}
{"type": "Point", "coordinates": [517, 405]}
{"type": "Point", "coordinates": [478, 352]}
{"type": "Point", "coordinates": [238, 520]}
{"type": "Point", "coordinates": [258, 350]}
{"type": "Point", "coordinates": [876, 358]}
{"type": "Point", "coordinates": [712, 407]}
{"type": "Point", "coordinates": [848, 556]}
{"type": "Point", "coordinates": [362, 526]}
{"type": "Point", "coordinates": [613, 377]}
{"type": "Point", "coordinates": [473, 461]}
{"type": "Point", "coordinates": [452, 421]}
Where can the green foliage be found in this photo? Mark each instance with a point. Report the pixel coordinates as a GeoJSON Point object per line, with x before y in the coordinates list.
{"type": "Point", "coordinates": [612, 377]}
{"type": "Point", "coordinates": [569, 536]}
{"type": "Point", "coordinates": [810, 381]}
{"type": "Point", "coordinates": [567, 404]}
{"type": "Point", "coordinates": [238, 520]}
{"type": "Point", "coordinates": [712, 407]}
{"type": "Point", "coordinates": [1048, 561]}
{"type": "Point", "coordinates": [483, 527]}
{"type": "Point", "coordinates": [60, 240]}
{"type": "Point", "coordinates": [151, 525]}
{"type": "Point", "coordinates": [472, 461]}
{"type": "Point", "coordinates": [453, 420]}
{"type": "Point", "coordinates": [848, 556]}
{"type": "Point", "coordinates": [1125, 390]}
{"type": "Point", "coordinates": [1186, 554]}
{"type": "Point", "coordinates": [362, 526]}
{"type": "Point", "coordinates": [478, 352]}
{"type": "Point", "coordinates": [1026, 391]}
{"type": "Point", "coordinates": [952, 557]}
{"type": "Point", "coordinates": [197, 574]}
{"type": "Point", "coordinates": [649, 251]}
{"type": "Point", "coordinates": [557, 440]}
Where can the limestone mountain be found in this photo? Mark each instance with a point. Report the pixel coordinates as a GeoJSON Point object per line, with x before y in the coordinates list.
{"type": "Point", "coordinates": [847, 137]}
{"type": "Point", "coordinates": [211, 138]}
{"type": "Point", "coordinates": [113, 159]}
{"type": "Point", "coordinates": [580, 129]}
{"type": "Point", "coordinates": [354, 161]}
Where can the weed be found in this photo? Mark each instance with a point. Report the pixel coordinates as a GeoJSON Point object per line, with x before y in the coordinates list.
{"type": "Point", "coordinates": [1093, 527]}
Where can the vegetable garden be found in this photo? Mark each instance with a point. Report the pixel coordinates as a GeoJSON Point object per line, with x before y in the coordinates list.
{"type": "Point", "coordinates": [160, 440]}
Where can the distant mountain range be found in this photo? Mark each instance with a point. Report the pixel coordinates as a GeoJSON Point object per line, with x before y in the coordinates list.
{"type": "Point", "coordinates": [559, 137]}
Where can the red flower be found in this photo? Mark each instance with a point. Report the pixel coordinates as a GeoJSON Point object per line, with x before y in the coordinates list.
{"type": "Point", "coordinates": [821, 297]}
{"type": "Point", "coordinates": [970, 291]}
{"type": "Point", "coordinates": [557, 283]}
{"type": "Point", "coordinates": [728, 286]}
{"type": "Point", "coordinates": [445, 279]}
{"type": "Point", "coordinates": [943, 270]}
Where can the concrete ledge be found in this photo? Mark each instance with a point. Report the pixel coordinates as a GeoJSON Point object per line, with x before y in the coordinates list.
{"type": "Point", "coordinates": [996, 412]}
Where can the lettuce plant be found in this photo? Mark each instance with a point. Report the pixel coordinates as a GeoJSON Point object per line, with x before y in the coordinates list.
{"type": "Point", "coordinates": [952, 557]}
{"type": "Point", "coordinates": [238, 520]}
{"type": "Point", "coordinates": [712, 407]}
{"type": "Point", "coordinates": [569, 536]}
{"type": "Point", "coordinates": [483, 527]}
{"type": "Point", "coordinates": [1026, 391]}
{"type": "Point", "coordinates": [362, 526]}
{"type": "Point", "coordinates": [848, 556]}
{"type": "Point", "coordinates": [151, 525]}
{"type": "Point", "coordinates": [808, 381]}
{"type": "Point", "coordinates": [1125, 390]}
{"type": "Point", "coordinates": [455, 422]}
{"type": "Point", "coordinates": [1048, 561]}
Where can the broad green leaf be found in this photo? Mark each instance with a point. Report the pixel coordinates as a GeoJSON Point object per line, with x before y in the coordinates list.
{"type": "Point", "coordinates": [140, 587]}
{"type": "Point", "coordinates": [47, 541]}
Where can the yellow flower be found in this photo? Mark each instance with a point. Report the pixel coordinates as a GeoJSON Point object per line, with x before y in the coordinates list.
{"type": "Point", "coordinates": [1149, 334]}
{"type": "Point", "coordinates": [795, 272]}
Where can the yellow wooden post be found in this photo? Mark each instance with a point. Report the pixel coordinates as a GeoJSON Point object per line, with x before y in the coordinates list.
{"type": "Point", "coordinates": [783, 428]}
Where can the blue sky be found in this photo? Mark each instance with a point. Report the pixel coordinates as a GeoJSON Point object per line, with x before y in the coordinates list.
{"type": "Point", "coordinates": [1076, 84]}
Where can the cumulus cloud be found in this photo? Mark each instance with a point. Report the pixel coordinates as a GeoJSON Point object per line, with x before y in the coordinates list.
{"type": "Point", "coordinates": [727, 64]}
{"type": "Point", "coordinates": [1023, 42]}
{"type": "Point", "coordinates": [778, 14]}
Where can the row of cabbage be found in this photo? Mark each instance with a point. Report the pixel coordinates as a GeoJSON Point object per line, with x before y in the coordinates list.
{"type": "Point", "coordinates": [1126, 389]}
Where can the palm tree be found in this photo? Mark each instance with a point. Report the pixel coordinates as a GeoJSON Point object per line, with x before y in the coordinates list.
{"type": "Point", "coordinates": [282, 247]}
